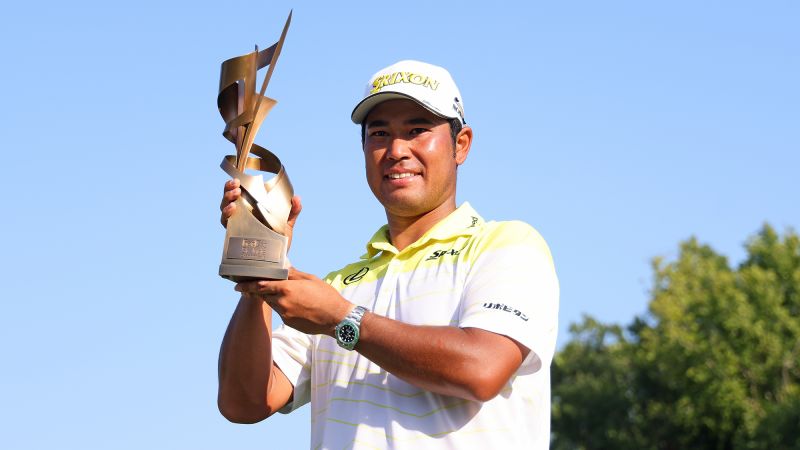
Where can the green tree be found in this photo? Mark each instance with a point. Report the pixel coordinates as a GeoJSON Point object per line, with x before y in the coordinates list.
{"type": "Point", "coordinates": [712, 365]}
{"type": "Point", "coordinates": [592, 401]}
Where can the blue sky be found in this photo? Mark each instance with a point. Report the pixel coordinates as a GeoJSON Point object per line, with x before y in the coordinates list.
{"type": "Point", "coordinates": [617, 129]}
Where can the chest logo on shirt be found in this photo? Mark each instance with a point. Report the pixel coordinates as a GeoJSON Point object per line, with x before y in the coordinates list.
{"type": "Point", "coordinates": [439, 253]}
{"type": "Point", "coordinates": [506, 308]}
{"type": "Point", "coordinates": [353, 277]}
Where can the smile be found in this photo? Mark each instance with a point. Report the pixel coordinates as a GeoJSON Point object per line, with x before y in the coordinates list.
{"type": "Point", "coordinates": [397, 176]}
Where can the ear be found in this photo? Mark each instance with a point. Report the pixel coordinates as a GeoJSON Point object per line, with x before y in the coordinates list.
{"type": "Point", "coordinates": [463, 144]}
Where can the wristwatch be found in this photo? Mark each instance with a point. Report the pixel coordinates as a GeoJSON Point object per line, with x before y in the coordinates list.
{"type": "Point", "coordinates": [347, 331]}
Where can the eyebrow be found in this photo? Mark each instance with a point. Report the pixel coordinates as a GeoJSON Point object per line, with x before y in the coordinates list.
{"type": "Point", "coordinates": [415, 121]}
{"type": "Point", "coordinates": [377, 123]}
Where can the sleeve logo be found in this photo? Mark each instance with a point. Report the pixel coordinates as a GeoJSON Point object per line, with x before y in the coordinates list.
{"type": "Point", "coordinates": [506, 308]}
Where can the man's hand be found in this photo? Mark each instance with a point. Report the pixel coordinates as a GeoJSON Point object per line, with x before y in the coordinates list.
{"type": "Point", "coordinates": [304, 302]}
{"type": "Point", "coordinates": [233, 191]}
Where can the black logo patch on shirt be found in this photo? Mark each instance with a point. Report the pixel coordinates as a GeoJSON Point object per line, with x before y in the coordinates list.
{"type": "Point", "coordinates": [439, 253]}
{"type": "Point", "coordinates": [353, 277]}
{"type": "Point", "coordinates": [506, 308]}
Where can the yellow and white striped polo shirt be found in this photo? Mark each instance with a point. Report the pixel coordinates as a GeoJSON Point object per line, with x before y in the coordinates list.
{"type": "Point", "coordinates": [463, 272]}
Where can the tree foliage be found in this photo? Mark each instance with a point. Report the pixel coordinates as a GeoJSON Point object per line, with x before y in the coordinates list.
{"type": "Point", "coordinates": [714, 364]}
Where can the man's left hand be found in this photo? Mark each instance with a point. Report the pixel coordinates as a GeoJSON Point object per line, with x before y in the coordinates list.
{"type": "Point", "coordinates": [304, 302]}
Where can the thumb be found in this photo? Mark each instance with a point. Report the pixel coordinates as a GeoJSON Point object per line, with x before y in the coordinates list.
{"type": "Point", "coordinates": [295, 274]}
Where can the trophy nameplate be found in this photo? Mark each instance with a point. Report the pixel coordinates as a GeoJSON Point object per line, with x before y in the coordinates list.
{"type": "Point", "coordinates": [255, 238]}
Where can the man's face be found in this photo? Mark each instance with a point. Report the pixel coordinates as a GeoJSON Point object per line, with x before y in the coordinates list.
{"type": "Point", "coordinates": [409, 158]}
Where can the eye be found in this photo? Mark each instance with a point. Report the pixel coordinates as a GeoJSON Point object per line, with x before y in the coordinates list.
{"type": "Point", "coordinates": [378, 133]}
{"type": "Point", "coordinates": [416, 131]}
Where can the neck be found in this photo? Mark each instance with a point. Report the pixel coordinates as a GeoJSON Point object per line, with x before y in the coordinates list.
{"type": "Point", "coordinates": [405, 230]}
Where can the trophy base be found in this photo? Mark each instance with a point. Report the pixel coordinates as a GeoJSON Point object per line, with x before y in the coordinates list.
{"type": "Point", "coordinates": [238, 273]}
{"type": "Point", "coordinates": [252, 250]}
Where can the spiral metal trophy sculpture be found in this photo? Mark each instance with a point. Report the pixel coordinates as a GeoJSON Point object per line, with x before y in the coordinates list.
{"type": "Point", "coordinates": [255, 240]}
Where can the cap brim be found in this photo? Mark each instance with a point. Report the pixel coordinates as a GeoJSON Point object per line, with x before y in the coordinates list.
{"type": "Point", "coordinates": [365, 106]}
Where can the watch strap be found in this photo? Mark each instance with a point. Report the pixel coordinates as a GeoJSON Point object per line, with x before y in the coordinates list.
{"type": "Point", "coordinates": [356, 314]}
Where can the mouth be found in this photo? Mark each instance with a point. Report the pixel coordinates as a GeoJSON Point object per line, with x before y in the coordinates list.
{"type": "Point", "coordinates": [398, 176]}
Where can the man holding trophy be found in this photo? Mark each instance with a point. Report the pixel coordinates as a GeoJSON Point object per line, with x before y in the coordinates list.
{"type": "Point", "coordinates": [440, 336]}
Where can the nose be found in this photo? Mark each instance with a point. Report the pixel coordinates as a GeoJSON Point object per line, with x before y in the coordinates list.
{"type": "Point", "coordinates": [398, 149]}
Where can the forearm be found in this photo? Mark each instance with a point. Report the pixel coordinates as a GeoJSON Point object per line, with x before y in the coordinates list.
{"type": "Point", "coordinates": [468, 363]}
{"type": "Point", "coordinates": [245, 362]}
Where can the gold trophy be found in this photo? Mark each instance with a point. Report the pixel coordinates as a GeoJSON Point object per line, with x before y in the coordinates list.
{"type": "Point", "coordinates": [255, 240]}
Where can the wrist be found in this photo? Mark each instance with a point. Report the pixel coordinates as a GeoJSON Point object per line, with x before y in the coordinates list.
{"type": "Point", "coordinates": [339, 315]}
{"type": "Point", "coordinates": [348, 331]}
{"type": "Point", "coordinates": [362, 335]}
{"type": "Point", "coordinates": [253, 299]}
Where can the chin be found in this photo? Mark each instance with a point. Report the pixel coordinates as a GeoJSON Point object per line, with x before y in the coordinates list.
{"type": "Point", "coordinates": [398, 202]}
{"type": "Point", "coordinates": [405, 207]}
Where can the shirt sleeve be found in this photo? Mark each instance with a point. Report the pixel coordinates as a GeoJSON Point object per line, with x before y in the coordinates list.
{"type": "Point", "coordinates": [291, 352]}
{"type": "Point", "coordinates": [512, 289]}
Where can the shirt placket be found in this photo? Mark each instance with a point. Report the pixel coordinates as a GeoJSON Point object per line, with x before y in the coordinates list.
{"type": "Point", "coordinates": [388, 286]}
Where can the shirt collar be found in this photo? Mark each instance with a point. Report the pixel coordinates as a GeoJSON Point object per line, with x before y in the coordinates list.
{"type": "Point", "coordinates": [464, 221]}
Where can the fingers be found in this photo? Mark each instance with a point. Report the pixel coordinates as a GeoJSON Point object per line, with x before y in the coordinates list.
{"type": "Point", "coordinates": [231, 195]}
{"type": "Point", "coordinates": [270, 292]}
{"type": "Point", "coordinates": [297, 206]}
{"type": "Point", "coordinates": [232, 192]}
{"type": "Point", "coordinates": [262, 287]}
{"type": "Point", "coordinates": [233, 183]}
{"type": "Point", "coordinates": [227, 213]}
{"type": "Point", "coordinates": [247, 287]}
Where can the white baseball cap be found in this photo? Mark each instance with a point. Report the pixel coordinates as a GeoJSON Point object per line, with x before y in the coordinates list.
{"type": "Point", "coordinates": [430, 86]}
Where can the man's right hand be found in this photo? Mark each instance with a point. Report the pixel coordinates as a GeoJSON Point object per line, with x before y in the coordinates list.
{"type": "Point", "coordinates": [233, 191]}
